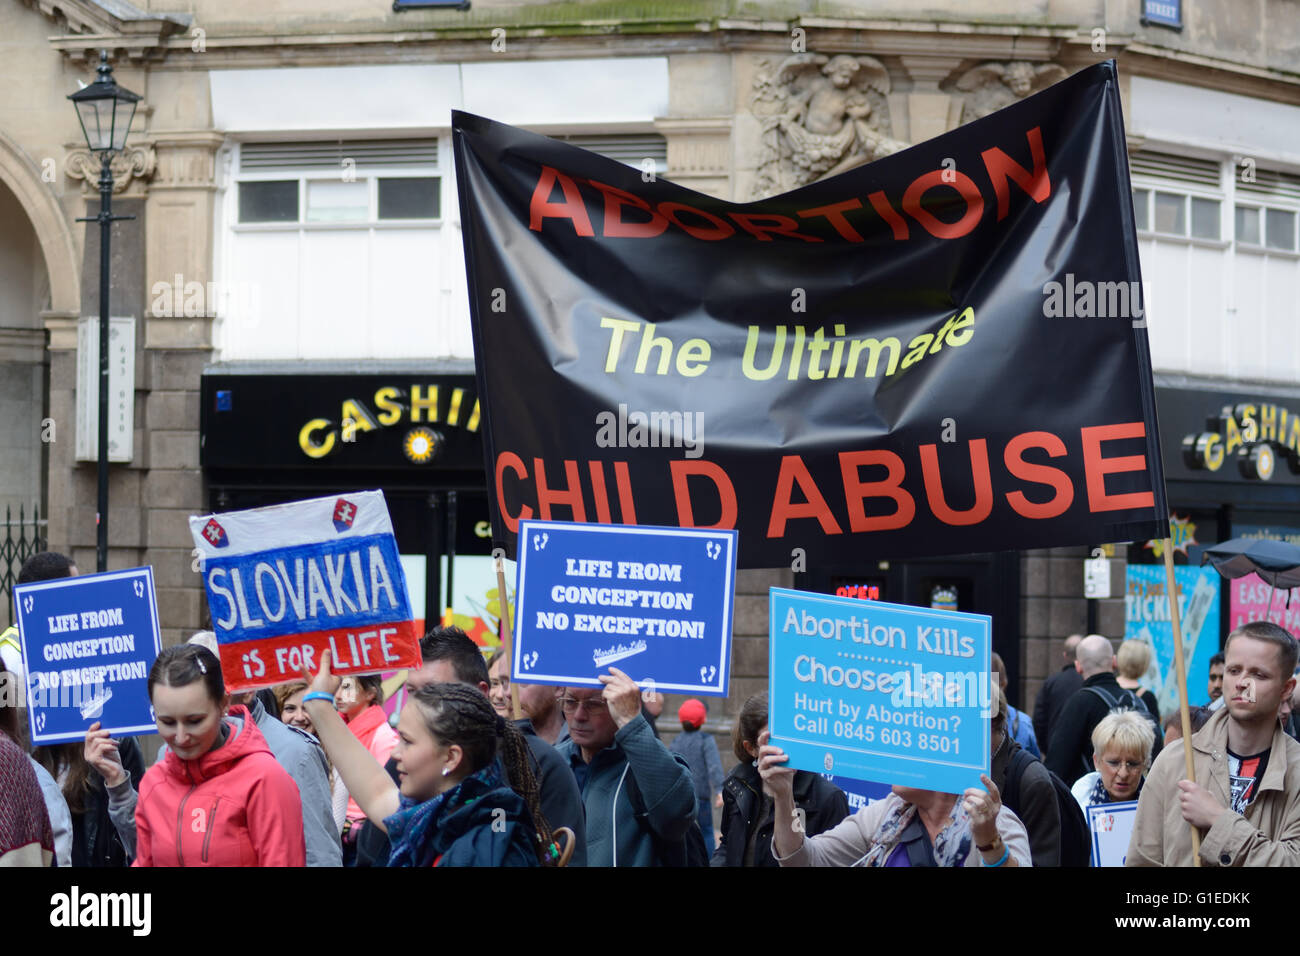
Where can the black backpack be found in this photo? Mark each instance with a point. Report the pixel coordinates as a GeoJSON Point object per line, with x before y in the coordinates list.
{"type": "Point", "coordinates": [687, 851]}
{"type": "Point", "coordinates": [1076, 841]}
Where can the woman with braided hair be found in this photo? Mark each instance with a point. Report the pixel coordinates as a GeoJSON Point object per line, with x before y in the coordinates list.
{"type": "Point", "coordinates": [454, 805]}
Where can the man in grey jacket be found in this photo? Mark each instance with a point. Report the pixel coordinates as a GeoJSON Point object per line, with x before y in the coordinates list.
{"type": "Point", "coordinates": [634, 790]}
{"type": "Point", "coordinates": [298, 753]}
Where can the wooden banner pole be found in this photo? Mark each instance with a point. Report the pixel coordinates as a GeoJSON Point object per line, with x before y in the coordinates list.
{"type": "Point", "coordinates": [507, 635]}
{"type": "Point", "coordinates": [1180, 667]}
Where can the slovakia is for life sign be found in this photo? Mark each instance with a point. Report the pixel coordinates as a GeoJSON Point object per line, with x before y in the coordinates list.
{"type": "Point", "coordinates": [654, 602]}
{"type": "Point", "coordinates": [887, 693]}
{"type": "Point", "coordinates": [288, 582]}
{"type": "Point", "coordinates": [88, 643]}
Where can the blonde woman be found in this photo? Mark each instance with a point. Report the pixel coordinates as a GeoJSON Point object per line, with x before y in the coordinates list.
{"type": "Point", "coordinates": [1133, 661]}
{"type": "Point", "coordinates": [1121, 754]}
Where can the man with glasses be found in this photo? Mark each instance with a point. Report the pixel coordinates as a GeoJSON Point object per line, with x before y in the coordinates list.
{"type": "Point", "coordinates": [637, 794]}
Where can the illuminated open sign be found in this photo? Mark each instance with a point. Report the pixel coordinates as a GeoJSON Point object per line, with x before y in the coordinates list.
{"type": "Point", "coordinates": [867, 592]}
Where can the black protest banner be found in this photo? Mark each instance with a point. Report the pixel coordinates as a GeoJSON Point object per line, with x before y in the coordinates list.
{"type": "Point", "coordinates": [940, 352]}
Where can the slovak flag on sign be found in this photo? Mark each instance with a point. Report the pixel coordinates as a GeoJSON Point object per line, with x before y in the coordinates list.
{"type": "Point", "coordinates": [345, 512]}
{"type": "Point", "coordinates": [215, 534]}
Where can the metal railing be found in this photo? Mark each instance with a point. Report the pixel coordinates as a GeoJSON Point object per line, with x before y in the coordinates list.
{"type": "Point", "coordinates": [20, 538]}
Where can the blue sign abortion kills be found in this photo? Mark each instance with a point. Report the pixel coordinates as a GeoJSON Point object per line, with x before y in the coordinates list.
{"type": "Point", "coordinates": [88, 643]}
{"type": "Point", "coordinates": [881, 692]}
{"type": "Point", "coordinates": [654, 602]}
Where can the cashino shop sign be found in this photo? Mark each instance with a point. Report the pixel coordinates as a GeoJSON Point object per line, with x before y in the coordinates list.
{"type": "Point", "coordinates": [1230, 436]}
{"type": "Point", "coordinates": [393, 421]}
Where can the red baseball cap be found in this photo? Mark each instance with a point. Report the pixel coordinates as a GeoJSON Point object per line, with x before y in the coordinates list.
{"type": "Point", "coordinates": [692, 712]}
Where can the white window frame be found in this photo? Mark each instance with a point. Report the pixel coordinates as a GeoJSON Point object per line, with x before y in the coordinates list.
{"type": "Point", "coordinates": [370, 173]}
{"type": "Point", "coordinates": [1229, 196]}
{"type": "Point", "coordinates": [1251, 201]}
{"type": "Point", "coordinates": [1188, 192]}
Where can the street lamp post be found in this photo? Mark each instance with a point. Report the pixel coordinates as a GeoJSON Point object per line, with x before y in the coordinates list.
{"type": "Point", "coordinates": [105, 111]}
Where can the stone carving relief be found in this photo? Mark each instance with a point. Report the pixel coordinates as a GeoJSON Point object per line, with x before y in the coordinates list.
{"type": "Point", "coordinates": [134, 162]}
{"type": "Point", "coordinates": [819, 115]}
{"type": "Point", "coordinates": [991, 86]}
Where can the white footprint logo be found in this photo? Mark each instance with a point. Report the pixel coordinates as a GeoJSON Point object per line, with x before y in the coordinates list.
{"type": "Point", "coordinates": [713, 549]}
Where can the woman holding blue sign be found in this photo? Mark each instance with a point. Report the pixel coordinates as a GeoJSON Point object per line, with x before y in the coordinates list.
{"type": "Point", "coordinates": [454, 805]}
{"type": "Point", "coordinates": [908, 828]}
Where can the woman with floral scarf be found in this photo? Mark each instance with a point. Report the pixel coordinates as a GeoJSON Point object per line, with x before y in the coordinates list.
{"type": "Point", "coordinates": [908, 828]}
{"type": "Point", "coordinates": [456, 805]}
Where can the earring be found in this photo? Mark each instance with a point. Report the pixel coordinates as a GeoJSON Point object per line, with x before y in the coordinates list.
{"type": "Point", "coordinates": [445, 771]}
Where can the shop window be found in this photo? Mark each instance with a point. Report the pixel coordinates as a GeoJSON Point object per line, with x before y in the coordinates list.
{"type": "Point", "coordinates": [1268, 221]}
{"type": "Point", "coordinates": [330, 201]}
{"type": "Point", "coordinates": [274, 201]}
{"type": "Point", "coordinates": [1174, 207]}
{"type": "Point", "coordinates": [409, 198]}
{"type": "Point", "coordinates": [1247, 225]}
{"type": "Point", "coordinates": [1205, 218]}
{"type": "Point", "coordinates": [343, 181]}
{"type": "Point", "coordinates": [1142, 209]}
{"type": "Point", "coordinates": [1279, 230]}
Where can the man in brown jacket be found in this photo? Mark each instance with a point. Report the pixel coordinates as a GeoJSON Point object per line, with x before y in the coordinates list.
{"type": "Point", "coordinates": [1246, 798]}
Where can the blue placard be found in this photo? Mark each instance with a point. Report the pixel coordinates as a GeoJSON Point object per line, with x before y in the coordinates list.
{"type": "Point", "coordinates": [859, 793]}
{"type": "Point", "coordinates": [1167, 13]}
{"type": "Point", "coordinates": [1111, 826]}
{"type": "Point", "coordinates": [881, 692]}
{"type": "Point", "coordinates": [654, 602]}
{"type": "Point", "coordinates": [88, 643]}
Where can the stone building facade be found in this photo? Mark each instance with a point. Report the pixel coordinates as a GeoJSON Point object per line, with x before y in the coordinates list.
{"type": "Point", "coordinates": [742, 99]}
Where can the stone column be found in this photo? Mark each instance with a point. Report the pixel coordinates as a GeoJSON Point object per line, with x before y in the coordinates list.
{"type": "Point", "coordinates": [72, 483]}
{"type": "Point", "coordinates": [701, 103]}
{"type": "Point", "coordinates": [178, 268]}
{"type": "Point", "coordinates": [925, 112]}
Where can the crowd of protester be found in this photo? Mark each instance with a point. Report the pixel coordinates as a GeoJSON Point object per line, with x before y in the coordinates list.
{"type": "Point", "coordinates": [313, 772]}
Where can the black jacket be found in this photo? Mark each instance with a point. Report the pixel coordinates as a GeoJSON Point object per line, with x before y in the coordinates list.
{"type": "Point", "coordinates": [1056, 690]}
{"type": "Point", "coordinates": [1036, 806]}
{"type": "Point", "coordinates": [1070, 753]}
{"type": "Point", "coordinates": [94, 838]}
{"type": "Point", "coordinates": [823, 803]}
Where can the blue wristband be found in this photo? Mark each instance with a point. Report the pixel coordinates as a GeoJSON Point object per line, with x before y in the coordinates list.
{"type": "Point", "coordinates": [318, 695]}
{"type": "Point", "coordinates": [1006, 852]}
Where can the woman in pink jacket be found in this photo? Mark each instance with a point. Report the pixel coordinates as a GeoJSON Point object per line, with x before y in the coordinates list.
{"type": "Point", "coordinates": [218, 798]}
{"type": "Point", "coordinates": [358, 701]}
